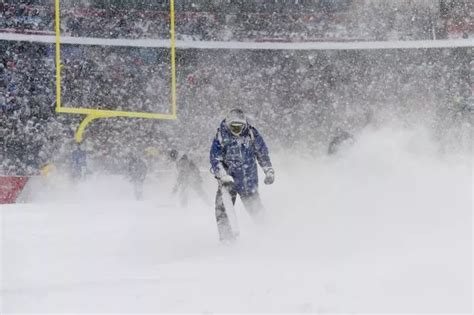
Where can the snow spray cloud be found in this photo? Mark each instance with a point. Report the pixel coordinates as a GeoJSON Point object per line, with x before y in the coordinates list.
{"type": "Point", "coordinates": [388, 213]}
{"type": "Point", "coordinates": [383, 225]}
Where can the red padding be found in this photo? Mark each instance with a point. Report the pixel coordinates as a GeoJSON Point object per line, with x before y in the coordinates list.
{"type": "Point", "coordinates": [11, 187]}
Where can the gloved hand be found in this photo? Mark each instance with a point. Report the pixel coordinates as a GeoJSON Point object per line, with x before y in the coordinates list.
{"type": "Point", "coordinates": [269, 176]}
{"type": "Point", "coordinates": [227, 180]}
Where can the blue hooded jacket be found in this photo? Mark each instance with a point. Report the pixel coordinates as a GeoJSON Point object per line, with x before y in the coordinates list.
{"type": "Point", "coordinates": [237, 156]}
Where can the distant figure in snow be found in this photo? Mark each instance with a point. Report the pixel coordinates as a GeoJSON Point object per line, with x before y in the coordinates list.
{"type": "Point", "coordinates": [78, 162]}
{"type": "Point", "coordinates": [189, 177]}
{"type": "Point", "coordinates": [136, 172]}
{"type": "Point", "coordinates": [340, 136]}
{"type": "Point", "coordinates": [235, 150]}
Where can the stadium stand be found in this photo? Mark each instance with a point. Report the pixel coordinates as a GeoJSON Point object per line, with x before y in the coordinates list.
{"type": "Point", "coordinates": [310, 88]}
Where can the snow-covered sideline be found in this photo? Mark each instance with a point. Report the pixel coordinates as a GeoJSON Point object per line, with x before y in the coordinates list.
{"type": "Point", "coordinates": [385, 226]}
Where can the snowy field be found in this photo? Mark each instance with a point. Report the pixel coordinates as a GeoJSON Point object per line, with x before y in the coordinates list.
{"type": "Point", "coordinates": [384, 227]}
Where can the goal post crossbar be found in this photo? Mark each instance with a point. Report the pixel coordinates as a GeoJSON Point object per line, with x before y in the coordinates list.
{"type": "Point", "coordinates": [92, 114]}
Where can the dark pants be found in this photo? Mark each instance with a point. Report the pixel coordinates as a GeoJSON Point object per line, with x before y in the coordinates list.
{"type": "Point", "coordinates": [252, 204]}
{"type": "Point", "coordinates": [184, 188]}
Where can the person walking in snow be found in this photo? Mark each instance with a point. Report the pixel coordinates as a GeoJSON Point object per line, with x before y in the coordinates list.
{"type": "Point", "coordinates": [189, 177]}
{"type": "Point", "coordinates": [235, 151]}
{"type": "Point", "coordinates": [339, 138]}
{"type": "Point", "coordinates": [136, 171]}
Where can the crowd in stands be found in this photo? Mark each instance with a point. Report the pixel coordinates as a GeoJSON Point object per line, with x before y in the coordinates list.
{"type": "Point", "coordinates": [24, 15]}
{"type": "Point", "coordinates": [457, 19]}
{"type": "Point", "coordinates": [297, 98]}
{"type": "Point", "coordinates": [26, 111]}
{"type": "Point", "coordinates": [234, 20]}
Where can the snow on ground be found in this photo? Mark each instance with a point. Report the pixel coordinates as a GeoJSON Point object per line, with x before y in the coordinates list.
{"type": "Point", "coordinates": [383, 227]}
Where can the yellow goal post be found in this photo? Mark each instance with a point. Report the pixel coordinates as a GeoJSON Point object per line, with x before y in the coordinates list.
{"type": "Point", "coordinates": [92, 114]}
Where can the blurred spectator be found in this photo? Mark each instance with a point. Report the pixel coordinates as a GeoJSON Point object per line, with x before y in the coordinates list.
{"type": "Point", "coordinates": [78, 162]}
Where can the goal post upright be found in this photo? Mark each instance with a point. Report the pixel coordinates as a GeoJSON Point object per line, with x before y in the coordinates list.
{"type": "Point", "coordinates": [173, 59]}
{"type": "Point", "coordinates": [92, 114]}
{"type": "Point", "coordinates": [57, 30]}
